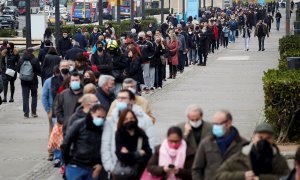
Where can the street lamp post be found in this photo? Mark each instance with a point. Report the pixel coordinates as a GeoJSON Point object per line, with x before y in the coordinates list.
{"type": "Point", "coordinates": [183, 8]}
{"type": "Point", "coordinates": [143, 9]}
{"type": "Point", "coordinates": [132, 12]}
{"type": "Point", "coordinates": [28, 24]}
{"type": "Point", "coordinates": [288, 18]}
{"type": "Point", "coordinates": [57, 22]}
{"type": "Point", "coordinates": [100, 12]}
{"type": "Point", "coordinates": [118, 11]}
{"type": "Point", "coordinates": [212, 3]}
{"type": "Point", "coordinates": [162, 11]}
{"type": "Point", "coordinates": [169, 6]}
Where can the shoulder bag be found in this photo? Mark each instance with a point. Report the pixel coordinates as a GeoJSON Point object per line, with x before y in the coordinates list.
{"type": "Point", "coordinates": [9, 72]}
{"type": "Point", "coordinates": [122, 171]}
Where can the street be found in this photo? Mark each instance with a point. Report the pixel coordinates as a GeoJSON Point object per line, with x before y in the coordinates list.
{"type": "Point", "coordinates": [231, 80]}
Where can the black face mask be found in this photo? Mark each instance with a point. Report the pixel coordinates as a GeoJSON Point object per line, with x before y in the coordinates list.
{"type": "Point", "coordinates": [64, 71]}
{"type": "Point", "coordinates": [141, 39]}
{"type": "Point", "coordinates": [86, 81]}
{"type": "Point", "coordinates": [261, 157]}
{"type": "Point", "coordinates": [130, 125]}
{"type": "Point", "coordinates": [100, 49]}
{"type": "Point", "coordinates": [176, 33]}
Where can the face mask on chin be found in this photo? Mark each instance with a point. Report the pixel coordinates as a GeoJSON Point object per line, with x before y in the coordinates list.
{"type": "Point", "coordinates": [195, 124]}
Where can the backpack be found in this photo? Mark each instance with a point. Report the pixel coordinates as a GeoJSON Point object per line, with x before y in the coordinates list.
{"type": "Point", "coordinates": [26, 71]}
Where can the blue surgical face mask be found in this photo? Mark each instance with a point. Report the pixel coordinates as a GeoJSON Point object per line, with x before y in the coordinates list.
{"type": "Point", "coordinates": [75, 85]}
{"type": "Point", "coordinates": [98, 121]}
{"type": "Point", "coordinates": [121, 106]}
{"type": "Point", "coordinates": [218, 130]}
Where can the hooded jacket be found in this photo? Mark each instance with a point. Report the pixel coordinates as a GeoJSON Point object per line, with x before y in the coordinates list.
{"type": "Point", "coordinates": [236, 166]}
{"type": "Point", "coordinates": [108, 147]}
{"type": "Point", "coordinates": [64, 44]}
{"type": "Point", "coordinates": [79, 114]}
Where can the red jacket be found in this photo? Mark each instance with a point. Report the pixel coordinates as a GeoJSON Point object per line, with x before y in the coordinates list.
{"type": "Point", "coordinates": [216, 32]}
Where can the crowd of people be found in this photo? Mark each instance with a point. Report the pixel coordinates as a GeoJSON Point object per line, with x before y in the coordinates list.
{"type": "Point", "coordinates": [100, 127]}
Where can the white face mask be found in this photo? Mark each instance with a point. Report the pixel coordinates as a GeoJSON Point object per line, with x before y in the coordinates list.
{"type": "Point", "coordinates": [196, 124]}
{"type": "Point", "coordinates": [132, 90]}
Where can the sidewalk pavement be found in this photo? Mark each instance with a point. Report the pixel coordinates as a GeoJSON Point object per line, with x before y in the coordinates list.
{"type": "Point", "coordinates": [232, 79]}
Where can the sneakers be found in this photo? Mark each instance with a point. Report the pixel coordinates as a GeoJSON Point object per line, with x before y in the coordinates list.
{"type": "Point", "coordinates": [57, 163]}
{"type": "Point", "coordinates": [26, 116]}
{"type": "Point", "coordinates": [34, 115]}
{"type": "Point", "coordinates": [11, 100]}
{"type": "Point", "coordinates": [4, 100]}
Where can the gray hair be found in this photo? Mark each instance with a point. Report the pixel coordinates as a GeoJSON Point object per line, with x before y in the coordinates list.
{"type": "Point", "coordinates": [103, 79]}
{"type": "Point", "coordinates": [87, 98]}
{"type": "Point", "coordinates": [62, 62]}
{"type": "Point", "coordinates": [129, 81]}
{"type": "Point", "coordinates": [133, 30]}
{"type": "Point", "coordinates": [193, 108]}
{"type": "Point", "coordinates": [141, 34]}
{"type": "Point", "coordinates": [173, 36]}
{"type": "Point", "coordinates": [75, 43]}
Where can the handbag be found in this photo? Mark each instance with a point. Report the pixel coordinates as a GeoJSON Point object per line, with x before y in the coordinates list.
{"type": "Point", "coordinates": [9, 72]}
{"type": "Point", "coordinates": [148, 176]}
{"type": "Point", "coordinates": [122, 171]}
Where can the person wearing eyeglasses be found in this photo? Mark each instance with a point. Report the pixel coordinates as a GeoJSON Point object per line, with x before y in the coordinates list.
{"type": "Point", "coordinates": [218, 147]}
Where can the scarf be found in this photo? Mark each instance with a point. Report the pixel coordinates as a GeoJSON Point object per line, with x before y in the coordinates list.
{"type": "Point", "coordinates": [224, 142]}
{"type": "Point", "coordinates": [169, 156]}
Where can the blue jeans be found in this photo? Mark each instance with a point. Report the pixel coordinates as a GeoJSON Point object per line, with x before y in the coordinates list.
{"type": "Point", "coordinates": [74, 172]}
{"type": "Point", "coordinates": [232, 35]}
{"type": "Point", "coordinates": [277, 25]}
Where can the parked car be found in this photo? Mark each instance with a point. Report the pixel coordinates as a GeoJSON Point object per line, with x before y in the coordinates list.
{"type": "Point", "coordinates": [11, 10]}
{"type": "Point", "coordinates": [9, 21]}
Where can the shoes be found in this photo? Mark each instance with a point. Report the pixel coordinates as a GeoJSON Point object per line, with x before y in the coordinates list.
{"type": "Point", "coordinates": [0, 100]}
{"type": "Point", "coordinates": [247, 49]}
{"type": "Point", "coordinates": [263, 49]}
{"type": "Point", "coordinates": [259, 50]}
{"type": "Point", "coordinates": [26, 116]}
{"type": "Point", "coordinates": [4, 100]}
{"type": "Point", "coordinates": [57, 163]}
{"type": "Point", "coordinates": [34, 115]}
{"type": "Point", "coordinates": [50, 157]}
{"type": "Point", "coordinates": [159, 88]}
{"type": "Point", "coordinates": [11, 100]}
{"type": "Point", "coordinates": [152, 89]}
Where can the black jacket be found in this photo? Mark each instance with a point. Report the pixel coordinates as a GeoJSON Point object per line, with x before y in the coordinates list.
{"type": "Point", "coordinates": [135, 71]}
{"type": "Point", "coordinates": [42, 55]}
{"type": "Point", "coordinates": [64, 44]}
{"type": "Point", "coordinates": [85, 139]}
{"type": "Point", "coordinates": [79, 114]}
{"type": "Point", "coordinates": [72, 53]}
{"type": "Point", "coordinates": [94, 38]}
{"type": "Point", "coordinates": [147, 50]}
{"type": "Point", "coordinates": [12, 59]}
{"type": "Point", "coordinates": [123, 139]}
{"type": "Point", "coordinates": [35, 66]}
{"type": "Point", "coordinates": [191, 41]}
{"type": "Point", "coordinates": [50, 61]}
{"type": "Point", "coordinates": [104, 63]}
{"type": "Point", "coordinates": [105, 99]}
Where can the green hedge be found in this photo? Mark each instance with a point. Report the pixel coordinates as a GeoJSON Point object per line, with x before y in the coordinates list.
{"type": "Point", "coordinates": [282, 99]}
{"type": "Point", "coordinates": [288, 47]}
{"type": "Point", "coordinates": [8, 33]}
{"type": "Point", "coordinates": [150, 12]}
{"type": "Point", "coordinates": [120, 29]}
